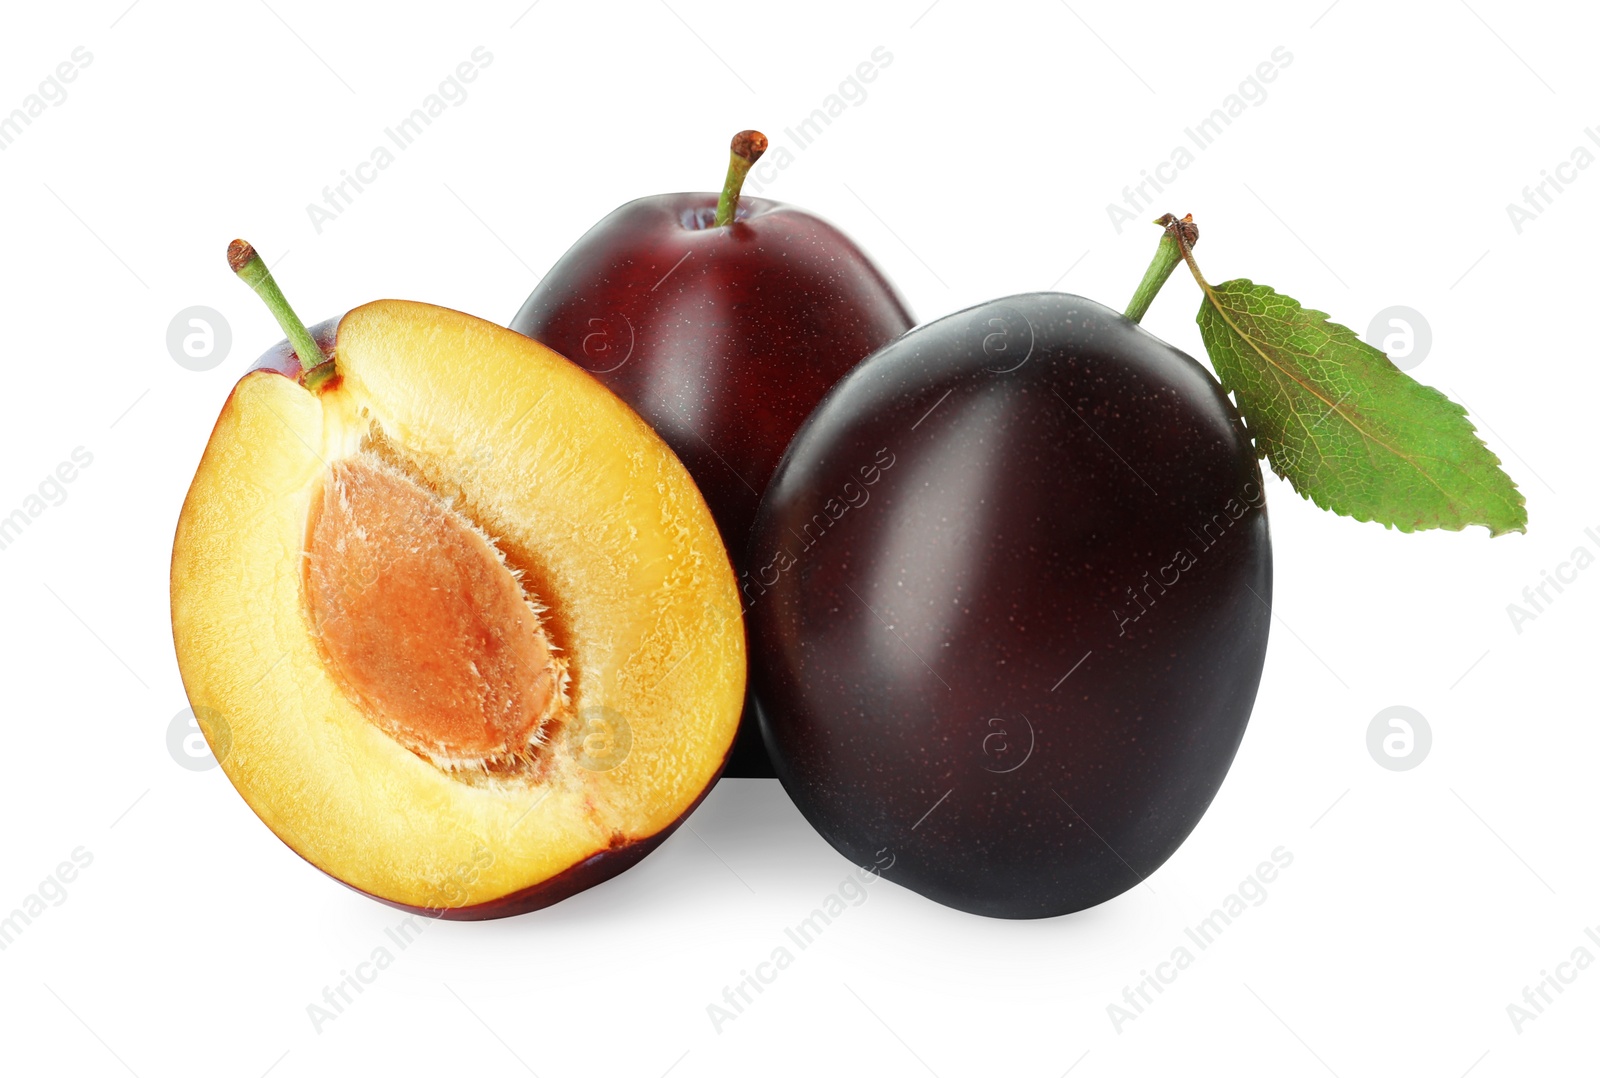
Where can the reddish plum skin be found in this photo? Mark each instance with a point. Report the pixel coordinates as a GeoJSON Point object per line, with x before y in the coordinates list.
{"type": "Point", "coordinates": [723, 339]}
{"type": "Point", "coordinates": [942, 675]}
{"type": "Point", "coordinates": [280, 358]}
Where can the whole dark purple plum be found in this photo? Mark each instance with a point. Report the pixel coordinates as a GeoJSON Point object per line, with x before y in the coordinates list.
{"type": "Point", "coordinates": [1010, 589]}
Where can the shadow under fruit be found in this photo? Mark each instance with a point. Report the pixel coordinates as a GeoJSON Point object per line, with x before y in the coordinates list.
{"type": "Point", "coordinates": [1016, 584]}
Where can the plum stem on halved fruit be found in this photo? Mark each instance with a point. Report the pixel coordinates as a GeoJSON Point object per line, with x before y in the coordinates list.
{"type": "Point", "coordinates": [252, 269]}
{"type": "Point", "coordinates": [1178, 235]}
{"type": "Point", "coordinates": [745, 150]}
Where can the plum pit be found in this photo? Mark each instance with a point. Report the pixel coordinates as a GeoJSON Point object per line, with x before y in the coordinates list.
{"type": "Point", "coordinates": [424, 624]}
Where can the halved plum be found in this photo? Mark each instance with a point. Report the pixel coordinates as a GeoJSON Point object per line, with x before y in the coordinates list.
{"type": "Point", "coordinates": [467, 620]}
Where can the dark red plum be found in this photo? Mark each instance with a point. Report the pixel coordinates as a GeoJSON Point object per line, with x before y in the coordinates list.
{"type": "Point", "coordinates": [1010, 590]}
{"type": "Point", "coordinates": [723, 338]}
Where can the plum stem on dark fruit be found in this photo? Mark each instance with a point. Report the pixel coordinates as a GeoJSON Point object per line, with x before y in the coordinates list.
{"type": "Point", "coordinates": [252, 270]}
{"type": "Point", "coordinates": [1177, 237]}
{"type": "Point", "coordinates": [745, 150]}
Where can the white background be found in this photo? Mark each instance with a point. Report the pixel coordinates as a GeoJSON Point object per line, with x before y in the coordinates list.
{"type": "Point", "coordinates": [1376, 172]}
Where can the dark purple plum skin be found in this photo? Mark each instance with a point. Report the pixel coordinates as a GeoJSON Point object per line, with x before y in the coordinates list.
{"type": "Point", "coordinates": [723, 339]}
{"type": "Point", "coordinates": [949, 674]}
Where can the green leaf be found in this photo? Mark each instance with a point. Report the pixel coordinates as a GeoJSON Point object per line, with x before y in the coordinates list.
{"type": "Point", "coordinates": [1349, 429]}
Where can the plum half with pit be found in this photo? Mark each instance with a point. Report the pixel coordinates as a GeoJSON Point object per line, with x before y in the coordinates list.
{"type": "Point", "coordinates": [1012, 593]}
{"type": "Point", "coordinates": [458, 625]}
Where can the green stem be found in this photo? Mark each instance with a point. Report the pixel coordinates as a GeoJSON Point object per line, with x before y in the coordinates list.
{"type": "Point", "coordinates": [252, 270]}
{"type": "Point", "coordinates": [1176, 237]}
{"type": "Point", "coordinates": [745, 150]}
